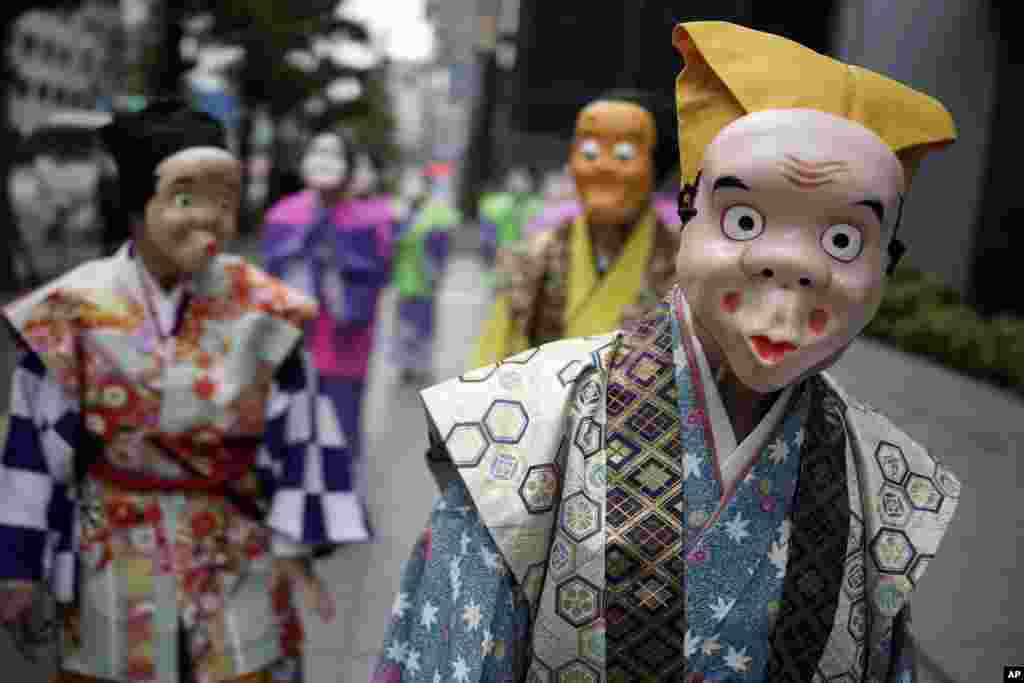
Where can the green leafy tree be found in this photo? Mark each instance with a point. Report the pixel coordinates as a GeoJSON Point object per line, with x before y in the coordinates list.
{"type": "Point", "coordinates": [372, 117]}
{"type": "Point", "coordinates": [267, 30]}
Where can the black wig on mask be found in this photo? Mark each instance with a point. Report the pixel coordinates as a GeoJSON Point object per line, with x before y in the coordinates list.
{"type": "Point", "coordinates": [661, 109]}
{"type": "Point", "coordinates": [139, 141]}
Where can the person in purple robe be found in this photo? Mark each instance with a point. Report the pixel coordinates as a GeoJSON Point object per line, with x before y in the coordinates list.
{"type": "Point", "coordinates": [337, 247]}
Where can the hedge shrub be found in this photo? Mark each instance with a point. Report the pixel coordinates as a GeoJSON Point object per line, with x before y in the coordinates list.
{"type": "Point", "coordinates": [921, 314]}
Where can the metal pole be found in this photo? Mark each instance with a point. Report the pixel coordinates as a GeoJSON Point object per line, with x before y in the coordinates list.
{"type": "Point", "coordinates": [479, 154]}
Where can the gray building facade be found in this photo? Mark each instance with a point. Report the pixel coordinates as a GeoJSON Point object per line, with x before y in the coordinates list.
{"type": "Point", "coordinates": [948, 49]}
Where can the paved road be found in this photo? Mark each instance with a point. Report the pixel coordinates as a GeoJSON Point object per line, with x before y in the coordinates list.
{"type": "Point", "coordinates": [967, 610]}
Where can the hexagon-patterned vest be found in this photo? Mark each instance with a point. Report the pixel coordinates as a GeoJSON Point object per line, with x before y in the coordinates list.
{"type": "Point", "coordinates": [525, 436]}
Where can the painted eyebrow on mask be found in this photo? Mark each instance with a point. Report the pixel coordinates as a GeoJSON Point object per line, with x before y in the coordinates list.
{"type": "Point", "coordinates": [179, 181]}
{"type": "Point", "coordinates": [876, 206]}
{"type": "Point", "coordinates": [729, 181]}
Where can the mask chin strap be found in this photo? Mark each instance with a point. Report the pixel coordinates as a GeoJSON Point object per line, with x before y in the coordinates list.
{"type": "Point", "coordinates": [687, 199]}
{"type": "Point", "coordinates": [896, 247]}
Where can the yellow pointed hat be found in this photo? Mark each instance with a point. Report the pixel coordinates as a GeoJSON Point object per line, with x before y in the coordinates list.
{"type": "Point", "coordinates": [731, 71]}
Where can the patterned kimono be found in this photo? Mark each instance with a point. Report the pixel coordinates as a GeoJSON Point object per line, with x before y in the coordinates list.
{"type": "Point", "coordinates": [550, 286]}
{"type": "Point", "coordinates": [152, 479]}
{"type": "Point", "coordinates": [341, 257]}
{"type": "Point", "coordinates": [420, 257]}
{"type": "Point", "coordinates": [599, 523]}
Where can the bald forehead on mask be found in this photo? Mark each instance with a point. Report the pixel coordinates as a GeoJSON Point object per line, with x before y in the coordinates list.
{"type": "Point", "coordinates": [209, 170]}
{"type": "Point", "coordinates": [811, 156]}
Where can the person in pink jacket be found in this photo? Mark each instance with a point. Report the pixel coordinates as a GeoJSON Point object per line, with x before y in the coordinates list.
{"type": "Point", "coordinates": [336, 247]}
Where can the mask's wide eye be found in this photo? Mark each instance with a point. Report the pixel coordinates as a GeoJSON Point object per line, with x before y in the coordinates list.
{"type": "Point", "coordinates": [842, 242]}
{"type": "Point", "coordinates": [590, 149]}
{"type": "Point", "coordinates": [741, 222]}
{"type": "Point", "coordinates": [182, 200]}
{"type": "Point", "coordinates": [624, 151]}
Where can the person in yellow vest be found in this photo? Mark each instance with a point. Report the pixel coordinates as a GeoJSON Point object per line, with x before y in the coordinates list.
{"type": "Point", "coordinates": [612, 262]}
{"type": "Point", "coordinates": [693, 498]}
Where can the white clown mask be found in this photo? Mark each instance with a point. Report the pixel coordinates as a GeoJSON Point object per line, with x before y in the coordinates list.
{"type": "Point", "coordinates": [783, 263]}
{"type": "Point", "coordinates": [324, 166]}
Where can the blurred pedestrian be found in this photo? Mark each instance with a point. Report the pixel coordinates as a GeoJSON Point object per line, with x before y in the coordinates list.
{"type": "Point", "coordinates": [610, 263]}
{"type": "Point", "coordinates": [504, 213]}
{"type": "Point", "coordinates": [156, 456]}
{"type": "Point", "coordinates": [337, 248]}
{"type": "Point", "coordinates": [560, 203]}
{"type": "Point", "coordinates": [420, 259]}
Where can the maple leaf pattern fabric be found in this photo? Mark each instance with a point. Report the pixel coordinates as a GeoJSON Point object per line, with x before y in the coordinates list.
{"type": "Point", "coordinates": [458, 615]}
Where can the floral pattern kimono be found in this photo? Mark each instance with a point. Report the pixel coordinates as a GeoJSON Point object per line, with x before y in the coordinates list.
{"type": "Point", "coordinates": [640, 542]}
{"type": "Point", "coordinates": [152, 477]}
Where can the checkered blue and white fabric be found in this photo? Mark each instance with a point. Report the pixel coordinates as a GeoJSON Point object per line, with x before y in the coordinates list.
{"type": "Point", "coordinates": [303, 465]}
{"type": "Point", "coordinates": [36, 472]}
{"type": "Point", "coordinates": [305, 459]}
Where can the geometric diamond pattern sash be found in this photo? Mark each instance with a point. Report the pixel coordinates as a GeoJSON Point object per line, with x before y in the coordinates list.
{"type": "Point", "coordinates": [644, 598]}
{"type": "Point", "coordinates": [646, 521]}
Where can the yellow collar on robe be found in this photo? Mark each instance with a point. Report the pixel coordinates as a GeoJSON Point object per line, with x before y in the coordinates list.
{"type": "Point", "coordinates": [594, 304]}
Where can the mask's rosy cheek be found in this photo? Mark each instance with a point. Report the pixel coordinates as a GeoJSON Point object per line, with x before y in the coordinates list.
{"type": "Point", "coordinates": [730, 302]}
{"type": "Point", "coordinates": [819, 319]}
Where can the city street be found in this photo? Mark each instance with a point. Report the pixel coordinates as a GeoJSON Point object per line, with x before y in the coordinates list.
{"type": "Point", "coordinates": [964, 614]}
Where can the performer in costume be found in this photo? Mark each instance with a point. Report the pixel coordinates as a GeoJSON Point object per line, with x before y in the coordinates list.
{"type": "Point", "coordinates": [420, 260]}
{"type": "Point", "coordinates": [338, 249]}
{"type": "Point", "coordinates": [165, 466]}
{"type": "Point", "coordinates": [607, 265]}
{"type": "Point", "coordinates": [693, 498]}
{"type": "Point", "coordinates": [504, 214]}
{"type": "Point", "coordinates": [558, 213]}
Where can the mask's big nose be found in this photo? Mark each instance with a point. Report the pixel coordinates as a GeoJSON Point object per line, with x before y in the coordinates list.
{"type": "Point", "coordinates": [790, 265]}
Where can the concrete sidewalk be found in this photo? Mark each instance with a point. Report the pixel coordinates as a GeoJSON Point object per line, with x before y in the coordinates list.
{"type": "Point", "coordinates": [966, 612]}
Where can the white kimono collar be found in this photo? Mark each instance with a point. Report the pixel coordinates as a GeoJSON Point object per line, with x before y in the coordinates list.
{"type": "Point", "coordinates": [732, 458]}
{"type": "Point", "coordinates": [133, 270]}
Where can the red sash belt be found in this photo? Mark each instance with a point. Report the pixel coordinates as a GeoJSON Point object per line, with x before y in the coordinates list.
{"type": "Point", "coordinates": [234, 457]}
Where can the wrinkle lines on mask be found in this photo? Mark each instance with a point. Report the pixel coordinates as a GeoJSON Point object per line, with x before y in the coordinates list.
{"type": "Point", "coordinates": [809, 175]}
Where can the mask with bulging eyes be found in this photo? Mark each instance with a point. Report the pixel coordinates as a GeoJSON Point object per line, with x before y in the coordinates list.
{"type": "Point", "coordinates": [612, 160]}
{"type": "Point", "coordinates": [782, 263]}
{"type": "Point", "coordinates": [324, 166]}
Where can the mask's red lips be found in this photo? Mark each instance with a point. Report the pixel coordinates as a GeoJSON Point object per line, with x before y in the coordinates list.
{"type": "Point", "coordinates": [769, 350]}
